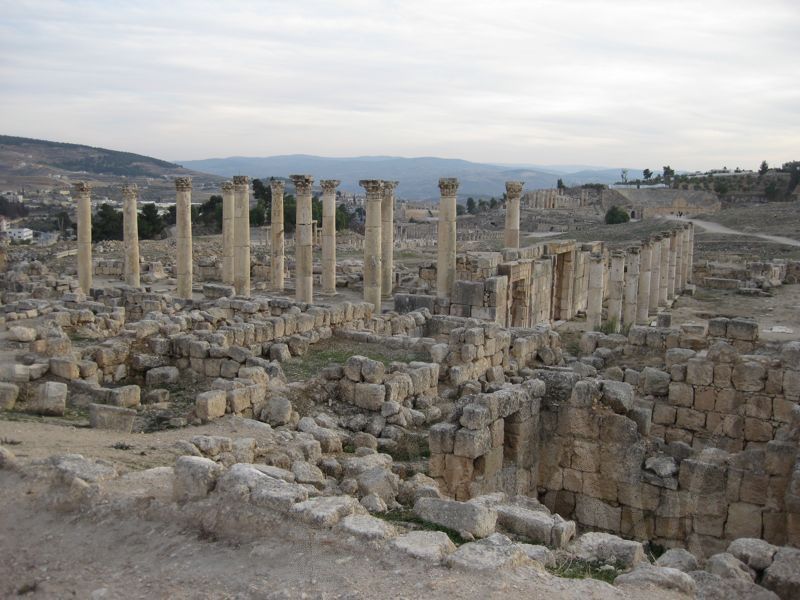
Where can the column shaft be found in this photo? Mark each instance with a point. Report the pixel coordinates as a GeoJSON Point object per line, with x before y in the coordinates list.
{"type": "Point", "coordinates": [689, 272]}
{"type": "Point", "coordinates": [513, 194]}
{"type": "Point", "coordinates": [663, 285]}
{"type": "Point", "coordinates": [387, 238]}
{"type": "Point", "coordinates": [643, 297]}
{"type": "Point", "coordinates": [329, 235]}
{"type": "Point", "coordinates": [655, 273]}
{"type": "Point", "coordinates": [130, 233]}
{"type": "Point", "coordinates": [686, 251]}
{"type": "Point", "coordinates": [631, 286]}
{"type": "Point", "coordinates": [680, 266]}
{"type": "Point", "coordinates": [183, 214]}
{"type": "Point", "coordinates": [84, 235]}
{"type": "Point", "coordinates": [673, 256]}
{"type": "Point", "coordinates": [277, 259]}
{"type": "Point", "coordinates": [372, 242]}
{"type": "Point", "coordinates": [594, 303]}
{"type": "Point", "coordinates": [304, 250]}
{"type": "Point", "coordinates": [446, 251]}
{"type": "Point", "coordinates": [241, 235]}
{"type": "Point", "coordinates": [228, 233]}
{"type": "Point", "coordinates": [616, 282]}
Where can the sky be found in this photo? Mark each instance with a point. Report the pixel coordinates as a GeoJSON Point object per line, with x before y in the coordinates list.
{"type": "Point", "coordinates": [637, 83]}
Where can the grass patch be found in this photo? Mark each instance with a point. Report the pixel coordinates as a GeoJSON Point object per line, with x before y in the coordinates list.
{"type": "Point", "coordinates": [575, 568]}
{"type": "Point", "coordinates": [408, 518]}
{"type": "Point", "coordinates": [333, 350]}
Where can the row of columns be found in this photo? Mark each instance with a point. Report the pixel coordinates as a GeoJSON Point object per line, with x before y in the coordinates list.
{"type": "Point", "coordinates": [378, 240]}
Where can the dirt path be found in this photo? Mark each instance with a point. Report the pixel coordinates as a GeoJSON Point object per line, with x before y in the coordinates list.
{"type": "Point", "coordinates": [710, 227]}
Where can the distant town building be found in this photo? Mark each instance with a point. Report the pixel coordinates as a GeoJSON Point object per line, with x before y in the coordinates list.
{"type": "Point", "coordinates": [20, 234]}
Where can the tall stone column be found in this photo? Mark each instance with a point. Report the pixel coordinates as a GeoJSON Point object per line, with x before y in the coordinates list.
{"type": "Point", "coordinates": [228, 235]}
{"type": "Point", "coordinates": [594, 303]}
{"type": "Point", "coordinates": [130, 233]}
{"type": "Point", "coordinates": [663, 285]}
{"type": "Point", "coordinates": [329, 235]}
{"type": "Point", "coordinates": [631, 286]}
{"type": "Point", "coordinates": [84, 194]}
{"type": "Point", "coordinates": [183, 214]}
{"type": "Point", "coordinates": [446, 250]}
{"type": "Point", "coordinates": [673, 257]}
{"type": "Point", "coordinates": [690, 268]}
{"type": "Point", "coordinates": [680, 266]}
{"type": "Point", "coordinates": [513, 194]}
{"type": "Point", "coordinates": [387, 238]}
{"type": "Point", "coordinates": [616, 284]}
{"type": "Point", "coordinates": [303, 248]}
{"type": "Point", "coordinates": [687, 242]}
{"type": "Point", "coordinates": [372, 242]}
{"type": "Point", "coordinates": [643, 297]}
{"type": "Point", "coordinates": [241, 235]}
{"type": "Point", "coordinates": [655, 272]}
{"type": "Point", "coordinates": [278, 248]}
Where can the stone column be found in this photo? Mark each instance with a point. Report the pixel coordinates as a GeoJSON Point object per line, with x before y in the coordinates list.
{"type": "Point", "coordinates": [663, 286]}
{"type": "Point", "coordinates": [276, 231]}
{"type": "Point", "coordinates": [513, 193]}
{"type": "Point", "coordinates": [372, 242]}
{"type": "Point", "coordinates": [594, 304]}
{"type": "Point", "coordinates": [303, 248]}
{"type": "Point", "coordinates": [673, 256]}
{"type": "Point", "coordinates": [690, 268]}
{"type": "Point", "coordinates": [655, 272]}
{"type": "Point", "coordinates": [241, 235]}
{"type": "Point", "coordinates": [616, 284]}
{"type": "Point", "coordinates": [643, 297]}
{"type": "Point", "coordinates": [680, 266]}
{"type": "Point", "coordinates": [329, 235]}
{"type": "Point", "coordinates": [687, 242]}
{"type": "Point", "coordinates": [446, 250]}
{"type": "Point", "coordinates": [387, 238]}
{"type": "Point", "coordinates": [84, 194]}
{"type": "Point", "coordinates": [631, 286]}
{"type": "Point", "coordinates": [130, 232]}
{"type": "Point", "coordinates": [228, 211]}
{"type": "Point", "coordinates": [183, 217]}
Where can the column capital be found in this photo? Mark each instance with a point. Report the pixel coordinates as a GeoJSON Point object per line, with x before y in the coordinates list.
{"type": "Point", "coordinates": [227, 186]}
{"type": "Point", "coordinates": [302, 183]}
{"type": "Point", "coordinates": [389, 186]}
{"type": "Point", "coordinates": [241, 181]}
{"type": "Point", "coordinates": [277, 185]}
{"type": "Point", "coordinates": [617, 254]}
{"type": "Point", "coordinates": [82, 187]}
{"type": "Point", "coordinates": [329, 185]}
{"type": "Point", "coordinates": [448, 186]}
{"type": "Point", "coordinates": [514, 188]}
{"type": "Point", "coordinates": [656, 238]}
{"type": "Point", "coordinates": [372, 186]}
{"type": "Point", "coordinates": [130, 190]}
{"type": "Point", "coordinates": [183, 184]}
{"type": "Point", "coordinates": [633, 249]}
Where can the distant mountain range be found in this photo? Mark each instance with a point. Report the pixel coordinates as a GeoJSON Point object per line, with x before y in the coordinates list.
{"type": "Point", "coordinates": [418, 177]}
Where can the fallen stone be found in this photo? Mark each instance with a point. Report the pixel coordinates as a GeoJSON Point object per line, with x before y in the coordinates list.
{"type": "Point", "coordinates": [367, 527]}
{"type": "Point", "coordinates": [474, 519]}
{"type": "Point", "coordinates": [50, 400]}
{"type": "Point", "coordinates": [605, 548]}
{"type": "Point", "coordinates": [8, 395]}
{"type": "Point", "coordinates": [665, 578]}
{"type": "Point", "coordinates": [728, 566]}
{"type": "Point", "coordinates": [755, 553]}
{"type": "Point", "coordinates": [678, 558]}
{"type": "Point", "coordinates": [783, 575]}
{"type": "Point", "coordinates": [195, 477]}
{"type": "Point", "coordinates": [431, 546]}
{"type": "Point", "coordinates": [327, 511]}
{"type": "Point", "coordinates": [113, 418]}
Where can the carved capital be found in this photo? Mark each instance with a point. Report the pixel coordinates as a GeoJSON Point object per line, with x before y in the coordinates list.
{"type": "Point", "coordinates": [183, 184]}
{"type": "Point", "coordinates": [514, 188]}
{"type": "Point", "coordinates": [329, 185]}
{"type": "Point", "coordinates": [633, 250]}
{"type": "Point", "coordinates": [81, 187]}
{"type": "Point", "coordinates": [277, 186]}
{"type": "Point", "coordinates": [372, 186]}
{"type": "Point", "coordinates": [227, 186]}
{"type": "Point", "coordinates": [241, 181]}
{"type": "Point", "coordinates": [389, 186]}
{"type": "Point", "coordinates": [448, 186]}
{"type": "Point", "coordinates": [130, 190]}
{"type": "Point", "coordinates": [302, 183]}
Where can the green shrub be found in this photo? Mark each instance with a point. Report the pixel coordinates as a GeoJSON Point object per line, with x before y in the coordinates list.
{"type": "Point", "coordinates": [616, 215]}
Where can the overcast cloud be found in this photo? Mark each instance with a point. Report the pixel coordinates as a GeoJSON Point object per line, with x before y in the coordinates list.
{"type": "Point", "coordinates": [695, 84]}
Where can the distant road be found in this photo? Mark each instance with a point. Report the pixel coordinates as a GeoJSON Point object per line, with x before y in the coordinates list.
{"type": "Point", "coordinates": [717, 228]}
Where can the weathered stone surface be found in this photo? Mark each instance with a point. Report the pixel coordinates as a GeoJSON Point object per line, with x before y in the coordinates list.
{"type": "Point", "coordinates": [654, 381]}
{"type": "Point", "coordinates": [278, 411]}
{"type": "Point", "coordinates": [728, 566]}
{"type": "Point", "coordinates": [195, 477]}
{"type": "Point", "coordinates": [8, 395]}
{"type": "Point", "coordinates": [461, 516]}
{"type": "Point", "coordinates": [618, 396]}
{"type": "Point", "coordinates": [536, 526]}
{"type": "Point", "coordinates": [783, 575]}
{"type": "Point", "coordinates": [607, 548]}
{"type": "Point", "coordinates": [379, 481]}
{"type": "Point", "coordinates": [678, 558]}
{"type": "Point", "coordinates": [113, 418]}
{"type": "Point", "coordinates": [487, 557]}
{"type": "Point", "coordinates": [369, 396]}
{"type": "Point", "coordinates": [714, 587]}
{"type": "Point", "coordinates": [305, 472]}
{"type": "Point", "coordinates": [7, 459]}
{"type": "Point", "coordinates": [50, 400]}
{"type": "Point", "coordinates": [19, 333]}
{"type": "Point", "coordinates": [327, 511]}
{"type": "Point", "coordinates": [660, 577]}
{"type": "Point", "coordinates": [367, 527]}
{"type": "Point", "coordinates": [162, 376]}
{"type": "Point", "coordinates": [210, 405]}
{"type": "Point", "coordinates": [127, 396]}
{"type": "Point", "coordinates": [431, 546]}
{"type": "Point", "coordinates": [755, 553]}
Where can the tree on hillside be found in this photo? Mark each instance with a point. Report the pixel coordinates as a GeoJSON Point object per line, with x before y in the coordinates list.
{"type": "Point", "coordinates": [762, 170]}
{"type": "Point", "coordinates": [492, 202]}
{"type": "Point", "coordinates": [623, 175]}
{"type": "Point", "coordinates": [107, 223]}
{"type": "Point", "coordinates": [151, 223]}
{"type": "Point", "coordinates": [616, 215]}
{"type": "Point", "coordinates": [263, 194]}
{"type": "Point", "coordinates": [647, 174]}
{"type": "Point", "coordinates": [669, 172]}
{"type": "Point", "coordinates": [210, 213]}
{"type": "Point", "coordinates": [460, 210]}
{"type": "Point", "coordinates": [471, 207]}
{"type": "Point", "coordinates": [63, 223]}
{"type": "Point", "coordinates": [560, 184]}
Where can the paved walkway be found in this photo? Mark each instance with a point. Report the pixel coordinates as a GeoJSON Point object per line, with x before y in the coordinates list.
{"type": "Point", "coordinates": [717, 228]}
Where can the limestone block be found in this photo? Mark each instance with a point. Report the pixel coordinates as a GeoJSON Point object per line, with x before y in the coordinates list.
{"type": "Point", "coordinates": [783, 575]}
{"type": "Point", "coordinates": [472, 518]}
{"type": "Point", "coordinates": [441, 438]}
{"type": "Point", "coordinates": [50, 400]}
{"type": "Point", "coordinates": [8, 396]}
{"type": "Point", "coordinates": [755, 553]}
{"type": "Point", "coordinates": [430, 546]}
{"type": "Point", "coordinates": [654, 381]}
{"type": "Point", "coordinates": [699, 371]}
{"type": "Point", "coordinates": [195, 477]}
{"type": "Point", "coordinates": [162, 376]}
{"type": "Point", "coordinates": [596, 513]}
{"type": "Point", "coordinates": [744, 520]}
{"type": "Point", "coordinates": [114, 418]}
{"type": "Point", "coordinates": [749, 376]}
{"type": "Point", "coordinates": [741, 328]}
{"type": "Point", "coordinates": [678, 558]}
{"type": "Point", "coordinates": [648, 577]}
{"type": "Point", "coordinates": [210, 405]}
{"type": "Point", "coordinates": [605, 548]}
{"type": "Point", "coordinates": [618, 396]}
{"type": "Point", "coordinates": [279, 352]}
{"type": "Point", "coordinates": [65, 368]}
{"type": "Point", "coordinates": [728, 566]}
{"type": "Point", "coordinates": [369, 396]}
{"type": "Point", "coordinates": [327, 511]}
{"type": "Point", "coordinates": [472, 443]}
{"type": "Point", "coordinates": [367, 527]}
{"type": "Point", "coordinates": [128, 396]}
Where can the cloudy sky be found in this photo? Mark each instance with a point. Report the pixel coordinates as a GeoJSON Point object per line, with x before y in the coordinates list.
{"type": "Point", "coordinates": [639, 83]}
